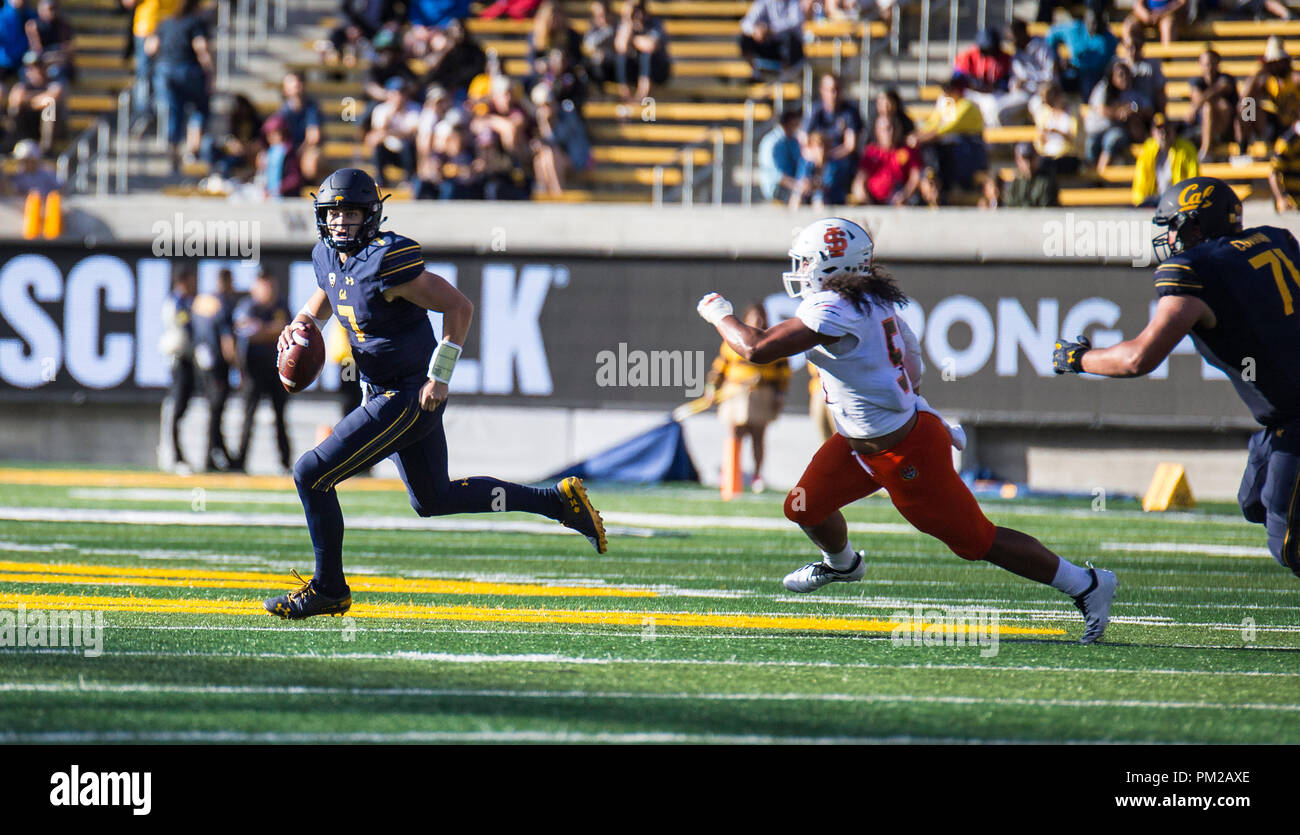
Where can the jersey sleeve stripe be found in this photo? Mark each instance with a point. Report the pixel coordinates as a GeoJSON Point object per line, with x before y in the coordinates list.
{"type": "Point", "coordinates": [413, 265]}
{"type": "Point", "coordinates": [1196, 285]}
{"type": "Point", "coordinates": [1174, 266]}
{"type": "Point", "coordinates": [393, 252]}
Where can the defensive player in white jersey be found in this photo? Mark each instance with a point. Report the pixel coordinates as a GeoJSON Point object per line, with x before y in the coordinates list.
{"type": "Point", "coordinates": [887, 435]}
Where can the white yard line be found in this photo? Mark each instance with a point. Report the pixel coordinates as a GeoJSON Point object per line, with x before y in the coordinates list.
{"type": "Point", "coordinates": [551, 658]}
{"type": "Point", "coordinates": [1208, 550]}
{"type": "Point", "coordinates": [615, 695]}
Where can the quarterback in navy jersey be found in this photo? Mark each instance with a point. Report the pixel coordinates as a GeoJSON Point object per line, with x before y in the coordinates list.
{"type": "Point", "coordinates": [375, 283]}
{"type": "Point", "coordinates": [1236, 292]}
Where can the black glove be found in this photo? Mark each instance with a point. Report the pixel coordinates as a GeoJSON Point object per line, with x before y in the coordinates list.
{"type": "Point", "coordinates": [1068, 356]}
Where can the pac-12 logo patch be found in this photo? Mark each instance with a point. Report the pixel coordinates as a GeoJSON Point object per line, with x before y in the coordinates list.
{"type": "Point", "coordinates": [908, 473]}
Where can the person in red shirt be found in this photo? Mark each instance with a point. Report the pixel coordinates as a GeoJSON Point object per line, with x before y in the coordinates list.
{"type": "Point", "coordinates": [889, 172]}
{"type": "Point", "coordinates": [985, 66]}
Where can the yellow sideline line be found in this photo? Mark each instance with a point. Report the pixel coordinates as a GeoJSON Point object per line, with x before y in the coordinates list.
{"type": "Point", "coordinates": [28, 572]}
{"type": "Point", "coordinates": [125, 478]}
{"type": "Point", "coordinates": [491, 615]}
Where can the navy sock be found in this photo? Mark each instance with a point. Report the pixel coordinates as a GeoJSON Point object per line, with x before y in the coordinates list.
{"type": "Point", "coordinates": [482, 494]}
{"type": "Point", "coordinates": [325, 522]}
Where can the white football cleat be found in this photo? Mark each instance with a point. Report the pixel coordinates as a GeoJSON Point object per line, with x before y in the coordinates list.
{"type": "Point", "coordinates": [815, 575]}
{"type": "Point", "coordinates": [1095, 604]}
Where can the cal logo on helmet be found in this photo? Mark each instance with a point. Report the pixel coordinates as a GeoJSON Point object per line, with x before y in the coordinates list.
{"type": "Point", "coordinates": [1194, 197]}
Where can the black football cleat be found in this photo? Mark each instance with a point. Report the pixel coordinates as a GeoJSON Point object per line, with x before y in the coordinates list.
{"type": "Point", "coordinates": [306, 601]}
{"type": "Point", "coordinates": [579, 514]}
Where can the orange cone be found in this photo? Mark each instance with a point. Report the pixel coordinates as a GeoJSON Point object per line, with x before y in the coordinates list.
{"type": "Point", "coordinates": [733, 480]}
{"type": "Point", "coordinates": [32, 216]}
{"type": "Point", "coordinates": [53, 215]}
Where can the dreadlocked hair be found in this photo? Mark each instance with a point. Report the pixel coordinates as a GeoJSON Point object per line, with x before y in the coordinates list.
{"type": "Point", "coordinates": [872, 283]}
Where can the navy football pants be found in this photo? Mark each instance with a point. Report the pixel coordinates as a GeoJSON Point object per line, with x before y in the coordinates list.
{"type": "Point", "coordinates": [1270, 490]}
{"type": "Point", "coordinates": [391, 423]}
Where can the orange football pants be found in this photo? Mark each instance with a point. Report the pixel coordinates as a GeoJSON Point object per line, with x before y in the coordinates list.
{"type": "Point", "coordinates": [919, 476]}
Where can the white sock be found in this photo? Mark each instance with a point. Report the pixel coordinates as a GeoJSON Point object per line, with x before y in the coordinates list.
{"type": "Point", "coordinates": [1071, 579]}
{"type": "Point", "coordinates": [842, 561]}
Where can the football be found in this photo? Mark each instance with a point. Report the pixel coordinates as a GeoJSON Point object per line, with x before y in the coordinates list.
{"type": "Point", "coordinates": [301, 362]}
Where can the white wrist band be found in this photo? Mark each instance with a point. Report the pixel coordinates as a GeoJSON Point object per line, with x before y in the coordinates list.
{"type": "Point", "coordinates": [443, 361]}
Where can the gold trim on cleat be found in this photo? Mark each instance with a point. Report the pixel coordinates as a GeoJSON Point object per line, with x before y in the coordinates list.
{"type": "Point", "coordinates": [572, 490]}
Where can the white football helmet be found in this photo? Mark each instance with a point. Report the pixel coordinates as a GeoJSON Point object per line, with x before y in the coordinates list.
{"type": "Point", "coordinates": [832, 246]}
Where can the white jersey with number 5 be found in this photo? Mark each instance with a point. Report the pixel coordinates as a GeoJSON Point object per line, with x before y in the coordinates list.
{"type": "Point", "coordinates": [867, 389]}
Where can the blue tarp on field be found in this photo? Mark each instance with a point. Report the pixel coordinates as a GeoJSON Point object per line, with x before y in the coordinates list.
{"type": "Point", "coordinates": [657, 455]}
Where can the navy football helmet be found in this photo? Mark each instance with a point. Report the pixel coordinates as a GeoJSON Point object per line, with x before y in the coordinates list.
{"type": "Point", "coordinates": [349, 188]}
{"type": "Point", "coordinates": [1195, 210]}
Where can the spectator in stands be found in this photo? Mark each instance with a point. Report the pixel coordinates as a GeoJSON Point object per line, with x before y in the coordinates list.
{"type": "Point", "coordinates": [1163, 160]}
{"type": "Point", "coordinates": [985, 69]}
{"type": "Point", "coordinates": [362, 19]}
{"type": "Point", "coordinates": [953, 136]}
{"type": "Point", "coordinates": [1214, 106]}
{"type": "Point", "coordinates": [1118, 115]}
{"type": "Point", "coordinates": [232, 144]}
{"type": "Point", "coordinates": [50, 36]}
{"type": "Point", "coordinates": [1165, 15]}
{"type": "Point", "coordinates": [814, 180]}
{"type": "Point", "coordinates": [841, 124]}
{"type": "Point", "coordinates": [148, 14]}
{"type": "Point", "coordinates": [14, 43]}
{"type": "Point", "coordinates": [1033, 68]}
{"type": "Point", "coordinates": [1148, 78]}
{"type": "Point", "coordinates": [561, 146]}
{"type": "Point", "coordinates": [454, 59]}
{"type": "Point", "coordinates": [503, 175]}
{"type": "Point", "coordinates": [1256, 9]}
{"type": "Point", "coordinates": [514, 9]}
{"type": "Point", "coordinates": [428, 19]}
{"type": "Point", "coordinates": [1274, 91]}
{"type": "Point", "coordinates": [1046, 8]}
{"type": "Point", "coordinates": [565, 80]}
{"type": "Point", "coordinates": [184, 73]}
{"type": "Point", "coordinates": [258, 322]}
{"type": "Point", "coordinates": [1090, 45]}
{"type": "Point", "coordinates": [32, 173]}
{"type": "Point", "coordinates": [771, 34]}
{"type": "Point", "coordinates": [459, 177]}
{"type": "Point", "coordinates": [551, 30]}
{"type": "Point", "coordinates": [437, 104]}
{"type": "Point", "coordinates": [388, 63]}
{"type": "Point", "coordinates": [32, 97]}
{"type": "Point", "coordinates": [505, 117]}
{"type": "Point", "coordinates": [1057, 137]}
{"type": "Point", "coordinates": [393, 126]}
{"type": "Point", "coordinates": [890, 105]}
{"type": "Point", "coordinates": [642, 46]}
{"type": "Point", "coordinates": [779, 157]}
{"type": "Point", "coordinates": [1284, 173]}
{"type": "Point", "coordinates": [302, 124]}
{"type": "Point", "coordinates": [1034, 185]}
{"type": "Point", "coordinates": [880, 9]}
{"type": "Point", "coordinates": [889, 172]}
{"type": "Point", "coordinates": [277, 166]}
{"type": "Point", "coordinates": [598, 44]}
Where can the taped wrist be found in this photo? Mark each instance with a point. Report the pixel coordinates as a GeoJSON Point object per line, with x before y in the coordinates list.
{"type": "Point", "coordinates": [320, 323]}
{"type": "Point", "coordinates": [444, 361]}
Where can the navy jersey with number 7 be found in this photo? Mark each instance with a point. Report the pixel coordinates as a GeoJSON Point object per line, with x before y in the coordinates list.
{"type": "Point", "coordinates": [392, 341]}
{"type": "Point", "coordinates": [1252, 283]}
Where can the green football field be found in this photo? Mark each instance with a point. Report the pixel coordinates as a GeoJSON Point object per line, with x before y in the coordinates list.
{"type": "Point", "coordinates": [506, 628]}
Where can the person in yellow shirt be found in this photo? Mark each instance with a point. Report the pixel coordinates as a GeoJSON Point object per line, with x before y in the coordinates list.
{"type": "Point", "coordinates": [1163, 160]}
{"type": "Point", "coordinates": [148, 14]}
{"type": "Point", "coordinates": [749, 395]}
{"type": "Point", "coordinates": [951, 140]}
{"type": "Point", "coordinates": [1275, 91]}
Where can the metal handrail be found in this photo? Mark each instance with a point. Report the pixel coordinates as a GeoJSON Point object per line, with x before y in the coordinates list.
{"type": "Point", "coordinates": [77, 179]}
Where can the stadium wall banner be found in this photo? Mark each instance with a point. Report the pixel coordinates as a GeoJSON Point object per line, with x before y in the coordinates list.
{"type": "Point", "coordinates": [79, 323]}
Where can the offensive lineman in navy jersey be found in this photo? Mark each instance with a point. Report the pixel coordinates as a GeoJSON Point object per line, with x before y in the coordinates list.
{"type": "Point", "coordinates": [376, 284]}
{"type": "Point", "coordinates": [1236, 292]}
